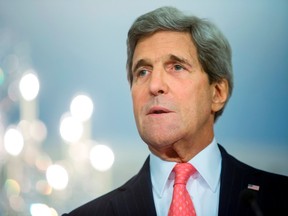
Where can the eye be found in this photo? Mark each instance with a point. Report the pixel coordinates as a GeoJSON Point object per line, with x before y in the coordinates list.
{"type": "Point", "coordinates": [142, 73]}
{"type": "Point", "coordinates": [178, 67]}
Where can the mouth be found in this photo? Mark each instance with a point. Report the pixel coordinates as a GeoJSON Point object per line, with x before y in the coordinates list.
{"type": "Point", "coordinates": [158, 111]}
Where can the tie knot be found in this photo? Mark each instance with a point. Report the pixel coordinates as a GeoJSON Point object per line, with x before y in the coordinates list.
{"type": "Point", "coordinates": [182, 172]}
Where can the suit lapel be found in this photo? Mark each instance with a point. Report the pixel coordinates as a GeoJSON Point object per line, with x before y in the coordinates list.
{"type": "Point", "coordinates": [136, 197]}
{"type": "Point", "coordinates": [230, 185]}
{"type": "Point", "coordinates": [235, 177]}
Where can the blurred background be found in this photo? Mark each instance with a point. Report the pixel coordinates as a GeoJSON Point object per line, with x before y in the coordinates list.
{"type": "Point", "coordinates": [67, 132]}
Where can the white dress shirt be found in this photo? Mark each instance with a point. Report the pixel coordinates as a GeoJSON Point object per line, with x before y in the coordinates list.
{"type": "Point", "coordinates": [203, 186]}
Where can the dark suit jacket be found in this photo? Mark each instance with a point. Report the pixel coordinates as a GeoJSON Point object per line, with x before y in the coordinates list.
{"type": "Point", "coordinates": [135, 197]}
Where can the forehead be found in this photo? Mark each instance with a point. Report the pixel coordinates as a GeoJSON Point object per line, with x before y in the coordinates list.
{"type": "Point", "coordinates": [163, 43]}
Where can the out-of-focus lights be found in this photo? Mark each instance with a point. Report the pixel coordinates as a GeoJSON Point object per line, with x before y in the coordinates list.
{"type": "Point", "coordinates": [12, 187]}
{"type": "Point", "coordinates": [53, 212]}
{"type": "Point", "coordinates": [71, 129]}
{"type": "Point", "coordinates": [43, 187]}
{"type": "Point", "coordinates": [13, 141]}
{"type": "Point", "coordinates": [29, 86]}
{"type": "Point", "coordinates": [101, 157]}
{"type": "Point", "coordinates": [17, 203]}
{"type": "Point", "coordinates": [81, 107]}
{"type": "Point", "coordinates": [79, 151]}
{"type": "Point", "coordinates": [57, 177]}
{"type": "Point", "coordinates": [43, 161]}
{"type": "Point", "coordinates": [40, 209]}
{"type": "Point", "coordinates": [35, 130]}
{"type": "Point", "coordinates": [24, 127]}
{"type": "Point", "coordinates": [38, 131]}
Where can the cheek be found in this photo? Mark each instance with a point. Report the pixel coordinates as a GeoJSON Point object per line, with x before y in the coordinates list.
{"type": "Point", "coordinates": [198, 102]}
{"type": "Point", "coordinates": [137, 101]}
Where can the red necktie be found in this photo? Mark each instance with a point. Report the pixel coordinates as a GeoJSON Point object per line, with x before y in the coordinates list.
{"type": "Point", "coordinates": [181, 201]}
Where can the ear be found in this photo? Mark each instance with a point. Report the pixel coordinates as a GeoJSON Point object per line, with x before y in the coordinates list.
{"type": "Point", "coordinates": [220, 92]}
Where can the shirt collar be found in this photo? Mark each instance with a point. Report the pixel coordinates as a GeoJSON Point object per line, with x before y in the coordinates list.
{"type": "Point", "coordinates": [207, 162]}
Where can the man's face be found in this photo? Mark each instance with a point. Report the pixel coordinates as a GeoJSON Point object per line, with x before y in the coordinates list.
{"type": "Point", "coordinates": [172, 97]}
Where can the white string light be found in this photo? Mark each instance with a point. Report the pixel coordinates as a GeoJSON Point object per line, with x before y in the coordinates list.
{"type": "Point", "coordinates": [13, 141]}
{"type": "Point", "coordinates": [81, 107]}
{"type": "Point", "coordinates": [29, 85]}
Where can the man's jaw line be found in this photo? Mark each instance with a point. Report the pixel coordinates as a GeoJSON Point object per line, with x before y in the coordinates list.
{"type": "Point", "coordinates": [170, 153]}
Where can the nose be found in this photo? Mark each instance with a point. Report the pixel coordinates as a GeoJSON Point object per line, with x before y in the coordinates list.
{"type": "Point", "coordinates": [158, 82]}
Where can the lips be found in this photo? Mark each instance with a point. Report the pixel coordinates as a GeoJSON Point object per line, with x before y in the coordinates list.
{"type": "Point", "coordinates": [158, 110]}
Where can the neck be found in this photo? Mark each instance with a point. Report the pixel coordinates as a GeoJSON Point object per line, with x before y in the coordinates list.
{"type": "Point", "coordinates": [180, 152]}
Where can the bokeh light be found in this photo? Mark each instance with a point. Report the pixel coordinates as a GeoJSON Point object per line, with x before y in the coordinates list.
{"type": "Point", "coordinates": [40, 209]}
{"type": "Point", "coordinates": [13, 141]}
{"type": "Point", "coordinates": [35, 130]}
{"type": "Point", "coordinates": [80, 151]}
{"type": "Point", "coordinates": [29, 85]}
{"type": "Point", "coordinates": [24, 127]}
{"type": "Point", "coordinates": [12, 187]}
{"type": "Point", "coordinates": [17, 203]}
{"type": "Point", "coordinates": [101, 157]}
{"type": "Point", "coordinates": [81, 107]}
{"type": "Point", "coordinates": [38, 130]}
{"type": "Point", "coordinates": [43, 161]}
{"type": "Point", "coordinates": [43, 187]}
{"type": "Point", "coordinates": [71, 129]}
{"type": "Point", "coordinates": [57, 177]}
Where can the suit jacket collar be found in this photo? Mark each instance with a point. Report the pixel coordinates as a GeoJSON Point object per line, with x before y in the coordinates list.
{"type": "Point", "coordinates": [229, 184]}
{"type": "Point", "coordinates": [234, 179]}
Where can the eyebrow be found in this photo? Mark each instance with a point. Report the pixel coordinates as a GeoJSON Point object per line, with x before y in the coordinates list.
{"type": "Point", "coordinates": [171, 57]}
{"type": "Point", "coordinates": [140, 63]}
{"type": "Point", "coordinates": [179, 59]}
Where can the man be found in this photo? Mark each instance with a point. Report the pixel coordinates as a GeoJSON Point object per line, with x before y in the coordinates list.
{"type": "Point", "coordinates": [179, 69]}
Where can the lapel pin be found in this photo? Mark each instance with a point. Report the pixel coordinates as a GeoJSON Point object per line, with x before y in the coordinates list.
{"type": "Point", "coordinates": [253, 187]}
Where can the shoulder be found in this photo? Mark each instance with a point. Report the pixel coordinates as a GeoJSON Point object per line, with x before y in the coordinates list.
{"type": "Point", "coordinates": [270, 189]}
{"type": "Point", "coordinates": [101, 205]}
{"type": "Point", "coordinates": [118, 201]}
{"type": "Point", "coordinates": [234, 165]}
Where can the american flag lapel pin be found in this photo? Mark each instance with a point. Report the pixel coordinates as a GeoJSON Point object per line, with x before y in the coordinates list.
{"type": "Point", "coordinates": [253, 187]}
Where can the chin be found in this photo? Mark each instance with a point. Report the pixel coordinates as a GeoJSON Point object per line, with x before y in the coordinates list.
{"type": "Point", "coordinates": [159, 143]}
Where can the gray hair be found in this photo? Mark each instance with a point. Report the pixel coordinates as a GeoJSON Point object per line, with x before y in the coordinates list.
{"type": "Point", "coordinates": [213, 49]}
